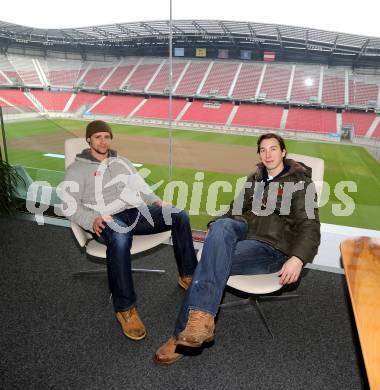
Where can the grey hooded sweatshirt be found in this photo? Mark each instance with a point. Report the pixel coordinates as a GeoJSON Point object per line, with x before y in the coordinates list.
{"type": "Point", "coordinates": [93, 188]}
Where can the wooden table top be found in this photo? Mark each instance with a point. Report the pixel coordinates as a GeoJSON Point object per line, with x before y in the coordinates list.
{"type": "Point", "coordinates": [361, 261]}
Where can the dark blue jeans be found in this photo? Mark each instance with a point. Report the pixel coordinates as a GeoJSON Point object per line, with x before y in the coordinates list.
{"type": "Point", "coordinates": [119, 243]}
{"type": "Point", "coordinates": [226, 252]}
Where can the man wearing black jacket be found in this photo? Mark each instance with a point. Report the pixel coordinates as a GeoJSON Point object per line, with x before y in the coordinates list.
{"type": "Point", "coordinates": [273, 225]}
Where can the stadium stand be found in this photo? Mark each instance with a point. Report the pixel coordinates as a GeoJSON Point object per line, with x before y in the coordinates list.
{"type": "Point", "coordinates": [360, 121]}
{"type": "Point", "coordinates": [376, 133]}
{"type": "Point", "coordinates": [158, 108]}
{"type": "Point", "coordinates": [114, 83]}
{"type": "Point", "coordinates": [26, 69]}
{"type": "Point", "coordinates": [8, 74]}
{"type": "Point", "coordinates": [95, 74]}
{"type": "Point", "coordinates": [301, 84]}
{"type": "Point", "coordinates": [261, 116]}
{"type": "Point", "coordinates": [17, 98]}
{"type": "Point", "coordinates": [161, 82]}
{"type": "Point", "coordinates": [81, 74]}
{"type": "Point", "coordinates": [14, 77]}
{"type": "Point", "coordinates": [333, 87]}
{"type": "Point", "coordinates": [307, 119]}
{"type": "Point", "coordinates": [192, 78]}
{"type": "Point", "coordinates": [276, 82]}
{"type": "Point", "coordinates": [305, 84]}
{"type": "Point", "coordinates": [4, 103]}
{"type": "Point", "coordinates": [220, 78]}
{"type": "Point", "coordinates": [3, 79]}
{"type": "Point", "coordinates": [7, 109]}
{"type": "Point", "coordinates": [52, 101]}
{"type": "Point", "coordinates": [151, 74]}
{"type": "Point", "coordinates": [258, 116]}
{"type": "Point", "coordinates": [83, 101]}
{"type": "Point", "coordinates": [200, 111]}
{"type": "Point", "coordinates": [61, 72]}
{"type": "Point", "coordinates": [248, 80]}
{"type": "Point", "coordinates": [143, 74]}
{"type": "Point", "coordinates": [361, 91]}
{"type": "Point", "coordinates": [117, 105]}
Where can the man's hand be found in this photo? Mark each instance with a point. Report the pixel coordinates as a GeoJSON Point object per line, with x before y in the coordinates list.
{"type": "Point", "coordinates": [162, 203]}
{"type": "Point", "coordinates": [100, 223]}
{"type": "Point", "coordinates": [291, 270]}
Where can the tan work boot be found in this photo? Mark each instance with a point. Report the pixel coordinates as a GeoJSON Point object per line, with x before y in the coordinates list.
{"type": "Point", "coordinates": [131, 324]}
{"type": "Point", "coordinates": [184, 281]}
{"type": "Point", "coordinates": [200, 328]}
{"type": "Point", "coordinates": [166, 353]}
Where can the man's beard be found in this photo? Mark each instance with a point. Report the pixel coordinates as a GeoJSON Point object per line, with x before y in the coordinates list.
{"type": "Point", "coordinates": [100, 152]}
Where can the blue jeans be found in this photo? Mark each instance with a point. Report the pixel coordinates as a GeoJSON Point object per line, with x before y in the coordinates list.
{"type": "Point", "coordinates": [119, 243]}
{"type": "Point", "coordinates": [226, 252]}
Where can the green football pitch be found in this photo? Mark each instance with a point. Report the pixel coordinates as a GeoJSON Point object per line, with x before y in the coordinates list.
{"type": "Point", "coordinates": [342, 163]}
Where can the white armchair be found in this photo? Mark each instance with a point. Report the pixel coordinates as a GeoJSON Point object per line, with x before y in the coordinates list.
{"type": "Point", "coordinates": [260, 285]}
{"type": "Point", "coordinates": [140, 243]}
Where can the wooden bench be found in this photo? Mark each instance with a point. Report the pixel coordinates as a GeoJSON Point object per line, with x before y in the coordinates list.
{"type": "Point", "coordinates": [361, 261]}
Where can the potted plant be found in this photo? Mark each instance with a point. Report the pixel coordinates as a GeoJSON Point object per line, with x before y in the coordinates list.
{"type": "Point", "coordinates": [10, 180]}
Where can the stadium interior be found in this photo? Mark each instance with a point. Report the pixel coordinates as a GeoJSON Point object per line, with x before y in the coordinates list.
{"type": "Point", "coordinates": [183, 97]}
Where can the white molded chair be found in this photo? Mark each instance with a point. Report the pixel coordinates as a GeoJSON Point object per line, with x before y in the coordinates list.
{"type": "Point", "coordinates": [140, 243]}
{"type": "Point", "coordinates": [259, 285]}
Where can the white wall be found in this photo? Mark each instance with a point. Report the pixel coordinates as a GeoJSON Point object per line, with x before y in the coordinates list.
{"type": "Point", "coordinates": [331, 237]}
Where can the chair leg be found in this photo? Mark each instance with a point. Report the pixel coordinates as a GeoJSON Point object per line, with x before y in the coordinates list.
{"type": "Point", "coordinates": [239, 302]}
{"type": "Point", "coordinates": [103, 270]}
{"type": "Point", "coordinates": [275, 297]}
{"type": "Point", "coordinates": [255, 301]}
{"type": "Point", "coordinates": [99, 271]}
{"type": "Point", "coordinates": [262, 316]}
{"type": "Point", "coordinates": [150, 271]}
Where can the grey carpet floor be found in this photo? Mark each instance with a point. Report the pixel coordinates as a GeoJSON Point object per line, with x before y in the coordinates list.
{"type": "Point", "coordinates": [59, 332]}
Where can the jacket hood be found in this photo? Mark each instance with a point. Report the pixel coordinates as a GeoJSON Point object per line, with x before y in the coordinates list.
{"type": "Point", "coordinates": [85, 155]}
{"type": "Point", "coordinates": [295, 168]}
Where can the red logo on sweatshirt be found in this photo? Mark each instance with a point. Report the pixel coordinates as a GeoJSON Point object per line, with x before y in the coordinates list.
{"type": "Point", "coordinates": [97, 173]}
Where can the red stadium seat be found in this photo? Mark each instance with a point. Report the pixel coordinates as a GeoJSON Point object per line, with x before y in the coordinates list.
{"type": "Point", "coordinates": [200, 112]}
{"type": "Point", "coordinates": [303, 119]}
{"type": "Point", "coordinates": [158, 108]}
{"type": "Point", "coordinates": [258, 116]}
{"type": "Point", "coordinates": [361, 121]}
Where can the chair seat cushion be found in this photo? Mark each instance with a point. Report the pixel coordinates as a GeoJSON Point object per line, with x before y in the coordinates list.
{"type": "Point", "coordinates": [255, 284]}
{"type": "Point", "coordinates": [140, 243]}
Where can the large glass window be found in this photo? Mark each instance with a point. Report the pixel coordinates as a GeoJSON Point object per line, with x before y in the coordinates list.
{"type": "Point", "coordinates": [189, 111]}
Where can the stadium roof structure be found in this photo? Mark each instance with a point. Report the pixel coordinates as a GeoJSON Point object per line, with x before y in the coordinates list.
{"type": "Point", "coordinates": [290, 43]}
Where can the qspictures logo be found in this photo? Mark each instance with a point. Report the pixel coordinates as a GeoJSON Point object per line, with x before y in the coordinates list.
{"type": "Point", "coordinates": [133, 191]}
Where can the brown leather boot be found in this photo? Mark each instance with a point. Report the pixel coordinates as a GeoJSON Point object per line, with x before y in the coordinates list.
{"type": "Point", "coordinates": [166, 353]}
{"type": "Point", "coordinates": [200, 328]}
{"type": "Point", "coordinates": [131, 324]}
{"type": "Point", "coordinates": [184, 281]}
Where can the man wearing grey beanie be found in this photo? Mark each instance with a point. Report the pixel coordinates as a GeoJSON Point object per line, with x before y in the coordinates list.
{"type": "Point", "coordinates": [114, 203]}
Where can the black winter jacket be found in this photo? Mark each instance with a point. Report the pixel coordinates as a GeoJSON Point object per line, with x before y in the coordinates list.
{"type": "Point", "coordinates": [294, 230]}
